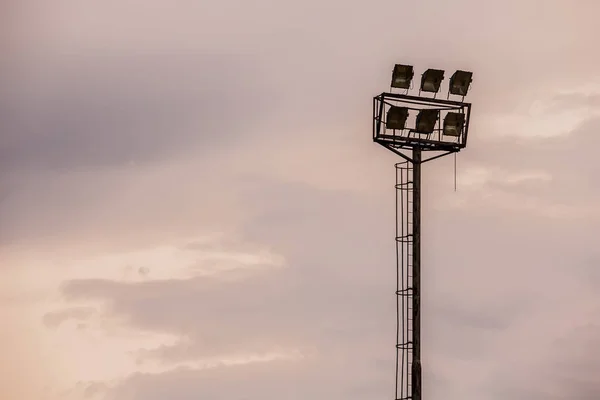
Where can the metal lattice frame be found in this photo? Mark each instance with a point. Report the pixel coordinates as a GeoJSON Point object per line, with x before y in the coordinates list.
{"type": "Point", "coordinates": [407, 139]}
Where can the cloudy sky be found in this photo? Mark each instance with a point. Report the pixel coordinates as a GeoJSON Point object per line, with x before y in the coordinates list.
{"type": "Point", "coordinates": [191, 206]}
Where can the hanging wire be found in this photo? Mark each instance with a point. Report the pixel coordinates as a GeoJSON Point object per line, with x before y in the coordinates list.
{"type": "Point", "coordinates": [454, 172]}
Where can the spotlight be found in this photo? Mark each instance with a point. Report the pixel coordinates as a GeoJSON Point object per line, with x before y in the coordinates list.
{"type": "Point", "coordinates": [431, 80]}
{"type": "Point", "coordinates": [396, 118]}
{"type": "Point", "coordinates": [453, 124]}
{"type": "Point", "coordinates": [402, 76]}
{"type": "Point", "coordinates": [426, 120]}
{"type": "Point", "coordinates": [460, 82]}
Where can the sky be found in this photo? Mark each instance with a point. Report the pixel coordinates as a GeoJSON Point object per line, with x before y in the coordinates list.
{"type": "Point", "coordinates": [191, 206]}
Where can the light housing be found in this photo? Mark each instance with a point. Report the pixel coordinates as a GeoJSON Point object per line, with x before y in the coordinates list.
{"type": "Point", "coordinates": [396, 118]}
{"type": "Point", "coordinates": [431, 80]}
{"type": "Point", "coordinates": [426, 120]}
{"type": "Point", "coordinates": [454, 124]}
{"type": "Point", "coordinates": [460, 82]}
{"type": "Point", "coordinates": [402, 76]}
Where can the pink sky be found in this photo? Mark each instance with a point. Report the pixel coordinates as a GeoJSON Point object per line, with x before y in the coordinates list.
{"type": "Point", "coordinates": [191, 205]}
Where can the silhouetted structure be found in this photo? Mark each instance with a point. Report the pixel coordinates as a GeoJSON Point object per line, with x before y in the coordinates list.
{"type": "Point", "coordinates": [412, 126]}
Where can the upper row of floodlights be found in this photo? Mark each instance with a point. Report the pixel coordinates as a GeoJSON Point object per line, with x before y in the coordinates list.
{"type": "Point", "coordinates": [431, 80]}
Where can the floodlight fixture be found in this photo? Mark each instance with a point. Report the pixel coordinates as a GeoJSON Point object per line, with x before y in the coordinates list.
{"type": "Point", "coordinates": [426, 120]}
{"type": "Point", "coordinates": [454, 124]}
{"type": "Point", "coordinates": [431, 80]}
{"type": "Point", "coordinates": [460, 82]}
{"type": "Point", "coordinates": [402, 76]}
{"type": "Point", "coordinates": [396, 118]}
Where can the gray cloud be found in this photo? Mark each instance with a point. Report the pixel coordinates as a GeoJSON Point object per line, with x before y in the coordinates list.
{"type": "Point", "coordinates": [271, 301]}
{"type": "Point", "coordinates": [54, 319]}
{"type": "Point", "coordinates": [97, 111]}
{"type": "Point", "coordinates": [314, 378]}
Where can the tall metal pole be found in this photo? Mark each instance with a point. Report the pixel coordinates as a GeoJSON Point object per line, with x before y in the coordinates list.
{"type": "Point", "coordinates": [416, 275]}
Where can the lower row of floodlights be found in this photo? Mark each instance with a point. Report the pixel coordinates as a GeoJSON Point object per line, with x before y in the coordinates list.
{"type": "Point", "coordinates": [431, 81]}
{"type": "Point", "coordinates": [454, 122]}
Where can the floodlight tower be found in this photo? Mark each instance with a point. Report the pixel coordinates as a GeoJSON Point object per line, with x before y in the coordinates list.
{"type": "Point", "coordinates": [439, 128]}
